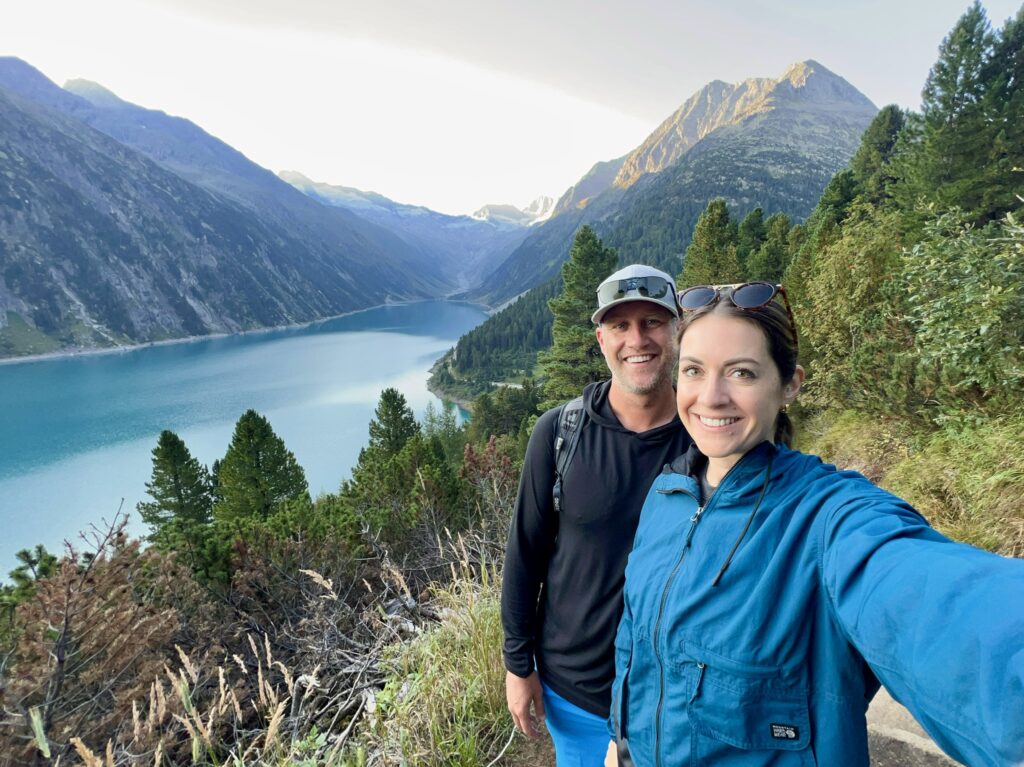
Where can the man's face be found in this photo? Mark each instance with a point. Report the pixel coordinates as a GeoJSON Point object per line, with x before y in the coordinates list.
{"type": "Point", "coordinates": [636, 339]}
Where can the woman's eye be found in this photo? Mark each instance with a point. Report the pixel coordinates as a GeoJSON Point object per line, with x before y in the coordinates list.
{"type": "Point", "coordinates": [689, 371]}
{"type": "Point", "coordinates": [742, 373]}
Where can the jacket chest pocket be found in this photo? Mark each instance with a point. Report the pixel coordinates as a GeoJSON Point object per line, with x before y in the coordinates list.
{"type": "Point", "coordinates": [737, 720]}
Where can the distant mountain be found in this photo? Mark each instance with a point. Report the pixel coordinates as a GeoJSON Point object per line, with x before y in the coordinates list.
{"type": "Point", "coordinates": [464, 248]}
{"type": "Point", "coordinates": [537, 211]}
{"type": "Point", "coordinates": [122, 225]}
{"type": "Point", "coordinates": [768, 142]}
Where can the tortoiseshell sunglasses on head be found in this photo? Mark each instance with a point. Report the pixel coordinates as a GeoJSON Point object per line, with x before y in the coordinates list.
{"type": "Point", "coordinates": [744, 295]}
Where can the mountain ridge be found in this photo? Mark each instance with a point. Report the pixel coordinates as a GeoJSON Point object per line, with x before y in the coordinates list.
{"type": "Point", "coordinates": [804, 124]}
{"type": "Point", "coordinates": [102, 245]}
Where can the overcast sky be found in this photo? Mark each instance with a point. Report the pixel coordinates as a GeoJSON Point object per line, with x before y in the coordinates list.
{"type": "Point", "coordinates": [457, 103]}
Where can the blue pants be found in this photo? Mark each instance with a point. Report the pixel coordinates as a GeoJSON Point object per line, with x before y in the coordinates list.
{"type": "Point", "coordinates": [581, 738]}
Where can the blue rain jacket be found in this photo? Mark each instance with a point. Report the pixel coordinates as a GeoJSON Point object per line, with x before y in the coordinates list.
{"type": "Point", "coordinates": [758, 638]}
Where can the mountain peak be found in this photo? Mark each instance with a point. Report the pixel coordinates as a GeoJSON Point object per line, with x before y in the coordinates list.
{"type": "Point", "coordinates": [23, 79]}
{"type": "Point", "coordinates": [95, 94]}
{"type": "Point", "coordinates": [719, 104]}
{"type": "Point", "coordinates": [799, 72]}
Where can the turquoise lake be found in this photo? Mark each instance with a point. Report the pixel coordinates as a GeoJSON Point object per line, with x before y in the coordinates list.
{"type": "Point", "coordinates": [76, 432]}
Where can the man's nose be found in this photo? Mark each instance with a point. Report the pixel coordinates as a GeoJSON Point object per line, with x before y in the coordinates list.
{"type": "Point", "coordinates": [637, 335]}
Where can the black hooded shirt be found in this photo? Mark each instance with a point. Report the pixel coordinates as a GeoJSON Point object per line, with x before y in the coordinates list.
{"type": "Point", "coordinates": [561, 594]}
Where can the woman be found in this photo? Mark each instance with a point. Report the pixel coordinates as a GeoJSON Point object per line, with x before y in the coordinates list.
{"type": "Point", "coordinates": [767, 594]}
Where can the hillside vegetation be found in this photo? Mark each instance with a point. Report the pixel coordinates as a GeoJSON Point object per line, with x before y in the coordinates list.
{"type": "Point", "coordinates": [264, 627]}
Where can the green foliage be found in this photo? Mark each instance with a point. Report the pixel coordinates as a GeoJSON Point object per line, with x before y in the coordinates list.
{"type": "Point", "coordinates": [180, 513]}
{"type": "Point", "coordinates": [770, 260]}
{"type": "Point", "coordinates": [405, 489]}
{"type": "Point", "coordinates": [871, 165]}
{"type": "Point", "coordinates": [506, 345]}
{"type": "Point", "coordinates": [257, 474]}
{"type": "Point", "coordinates": [509, 410]}
{"type": "Point", "coordinates": [34, 565]}
{"type": "Point", "coordinates": [394, 423]}
{"type": "Point", "coordinates": [750, 235]}
{"type": "Point", "coordinates": [1003, 173]}
{"type": "Point", "coordinates": [964, 150]}
{"type": "Point", "coordinates": [852, 320]}
{"type": "Point", "coordinates": [965, 289]}
{"type": "Point", "coordinates": [443, 424]}
{"type": "Point", "coordinates": [18, 338]}
{"type": "Point", "coordinates": [968, 481]}
{"type": "Point", "coordinates": [575, 359]}
{"type": "Point", "coordinates": [711, 257]}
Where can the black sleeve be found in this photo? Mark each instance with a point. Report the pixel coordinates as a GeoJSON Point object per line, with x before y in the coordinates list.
{"type": "Point", "coordinates": [531, 538]}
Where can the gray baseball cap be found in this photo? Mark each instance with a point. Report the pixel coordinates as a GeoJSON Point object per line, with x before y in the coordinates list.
{"type": "Point", "coordinates": [636, 282]}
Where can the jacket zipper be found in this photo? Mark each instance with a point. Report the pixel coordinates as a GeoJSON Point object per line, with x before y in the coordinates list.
{"type": "Point", "coordinates": [694, 520]}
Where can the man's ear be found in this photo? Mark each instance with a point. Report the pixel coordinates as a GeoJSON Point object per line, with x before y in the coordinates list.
{"type": "Point", "coordinates": [600, 340]}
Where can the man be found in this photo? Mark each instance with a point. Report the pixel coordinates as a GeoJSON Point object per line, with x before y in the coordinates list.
{"type": "Point", "coordinates": [562, 589]}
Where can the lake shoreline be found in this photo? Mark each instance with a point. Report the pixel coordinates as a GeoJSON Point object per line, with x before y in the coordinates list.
{"type": "Point", "coordinates": [75, 353]}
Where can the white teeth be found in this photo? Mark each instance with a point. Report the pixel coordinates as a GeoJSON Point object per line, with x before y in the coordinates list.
{"type": "Point", "coordinates": [717, 421]}
{"type": "Point", "coordinates": [640, 358]}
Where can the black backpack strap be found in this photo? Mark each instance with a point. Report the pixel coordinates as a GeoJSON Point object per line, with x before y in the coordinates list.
{"type": "Point", "coordinates": [567, 439]}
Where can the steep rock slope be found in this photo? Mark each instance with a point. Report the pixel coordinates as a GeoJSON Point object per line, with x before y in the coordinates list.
{"type": "Point", "coordinates": [99, 245]}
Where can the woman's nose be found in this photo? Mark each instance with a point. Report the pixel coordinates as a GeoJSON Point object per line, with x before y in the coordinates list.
{"type": "Point", "coordinates": [714, 392]}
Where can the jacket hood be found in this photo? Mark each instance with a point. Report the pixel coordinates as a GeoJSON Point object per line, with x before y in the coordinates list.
{"type": "Point", "coordinates": [599, 410]}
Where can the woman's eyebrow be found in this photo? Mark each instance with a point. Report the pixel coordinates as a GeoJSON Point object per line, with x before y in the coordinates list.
{"type": "Point", "coordinates": [737, 361]}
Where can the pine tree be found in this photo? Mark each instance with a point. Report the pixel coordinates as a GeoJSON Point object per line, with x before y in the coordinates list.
{"type": "Point", "coordinates": [1003, 174]}
{"type": "Point", "coordinates": [711, 257]}
{"type": "Point", "coordinates": [34, 565]}
{"type": "Point", "coordinates": [871, 163]}
{"type": "Point", "coordinates": [180, 512]}
{"type": "Point", "coordinates": [443, 424]}
{"type": "Point", "coordinates": [750, 236]}
{"type": "Point", "coordinates": [575, 359]}
{"type": "Point", "coordinates": [953, 137]}
{"type": "Point", "coordinates": [258, 473]}
{"type": "Point", "coordinates": [769, 262]}
{"type": "Point", "coordinates": [394, 423]}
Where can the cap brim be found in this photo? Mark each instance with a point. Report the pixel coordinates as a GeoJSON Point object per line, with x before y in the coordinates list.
{"type": "Point", "coordinates": [597, 316]}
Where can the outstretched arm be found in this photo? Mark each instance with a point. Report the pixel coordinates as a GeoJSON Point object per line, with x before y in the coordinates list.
{"type": "Point", "coordinates": [940, 623]}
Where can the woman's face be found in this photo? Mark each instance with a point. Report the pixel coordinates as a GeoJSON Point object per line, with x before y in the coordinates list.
{"type": "Point", "coordinates": [729, 390]}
